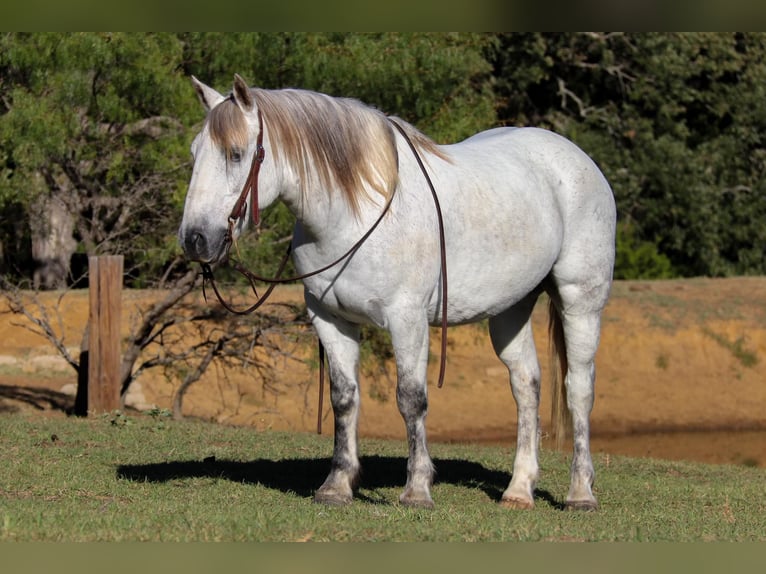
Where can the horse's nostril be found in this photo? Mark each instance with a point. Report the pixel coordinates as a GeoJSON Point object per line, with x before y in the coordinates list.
{"type": "Point", "coordinates": [195, 244]}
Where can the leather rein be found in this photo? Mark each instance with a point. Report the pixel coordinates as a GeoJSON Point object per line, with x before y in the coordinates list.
{"type": "Point", "coordinates": [250, 190]}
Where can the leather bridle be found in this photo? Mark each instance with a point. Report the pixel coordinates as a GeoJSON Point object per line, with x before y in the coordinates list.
{"type": "Point", "coordinates": [238, 212]}
{"type": "Point", "coordinates": [251, 185]}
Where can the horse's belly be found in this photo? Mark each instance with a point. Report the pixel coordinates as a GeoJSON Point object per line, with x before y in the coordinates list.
{"type": "Point", "coordinates": [468, 303]}
{"type": "Point", "coordinates": [490, 270]}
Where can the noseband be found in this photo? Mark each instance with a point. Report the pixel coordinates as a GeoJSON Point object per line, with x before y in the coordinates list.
{"type": "Point", "coordinates": [239, 211]}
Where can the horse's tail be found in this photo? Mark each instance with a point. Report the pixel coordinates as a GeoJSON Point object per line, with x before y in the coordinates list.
{"type": "Point", "coordinates": [560, 415]}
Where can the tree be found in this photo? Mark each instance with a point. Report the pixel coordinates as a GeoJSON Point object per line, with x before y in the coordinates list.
{"type": "Point", "coordinates": [674, 120]}
{"type": "Point", "coordinates": [95, 123]}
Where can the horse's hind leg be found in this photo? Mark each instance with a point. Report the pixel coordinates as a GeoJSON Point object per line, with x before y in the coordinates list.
{"type": "Point", "coordinates": [511, 334]}
{"type": "Point", "coordinates": [581, 333]}
{"type": "Point", "coordinates": [341, 341]}
{"type": "Point", "coordinates": [580, 312]}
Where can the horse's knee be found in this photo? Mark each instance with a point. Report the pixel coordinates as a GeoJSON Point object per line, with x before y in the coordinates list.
{"type": "Point", "coordinates": [344, 394]}
{"type": "Point", "coordinates": [412, 401]}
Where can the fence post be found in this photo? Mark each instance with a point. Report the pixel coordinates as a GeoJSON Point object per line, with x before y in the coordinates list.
{"type": "Point", "coordinates": [105, 286]}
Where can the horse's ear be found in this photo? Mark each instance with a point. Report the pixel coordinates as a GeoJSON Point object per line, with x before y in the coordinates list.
{"type": "Point", "coordinates": [242, 94]}
{"type": "Point", "coordinates": [207, 95]}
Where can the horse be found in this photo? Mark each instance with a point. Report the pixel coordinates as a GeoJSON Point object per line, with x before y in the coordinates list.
{"type": "Point", "coordinates": [524, 211]}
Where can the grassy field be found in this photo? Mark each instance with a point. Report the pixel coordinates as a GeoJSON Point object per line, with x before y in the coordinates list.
{"type": "Point", "coordinates": [147, 478]}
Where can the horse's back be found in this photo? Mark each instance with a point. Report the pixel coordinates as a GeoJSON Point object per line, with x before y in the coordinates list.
{"type": "Point", "coordinates": [545, 149]}
{"type": "Point", "coordinates": [544, 162]}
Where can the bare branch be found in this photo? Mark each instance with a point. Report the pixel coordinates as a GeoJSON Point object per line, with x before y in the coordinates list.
{"type": "Point", "coordinates": [153, 127]}
{"type": "Point", "coordinates": [566, 93]}
{"type": "Point", "coordinates": [140, 338]}
{"type": "Point", "coordinates": [41, 321]}
{"type": "Point", "coordinates": [194, 376]}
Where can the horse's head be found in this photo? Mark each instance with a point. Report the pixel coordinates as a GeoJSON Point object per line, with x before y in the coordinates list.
{"type": "Point", "coordinates": [223, 153]}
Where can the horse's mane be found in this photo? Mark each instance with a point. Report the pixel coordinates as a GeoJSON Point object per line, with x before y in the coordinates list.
{"type": "Point", "coordinates": [340, 142]}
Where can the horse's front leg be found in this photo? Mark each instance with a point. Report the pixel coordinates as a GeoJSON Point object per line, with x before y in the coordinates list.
{"type": "Point", "coordinates": [410, 342]}
{"type": "Point", "coordinates": [341, 342]}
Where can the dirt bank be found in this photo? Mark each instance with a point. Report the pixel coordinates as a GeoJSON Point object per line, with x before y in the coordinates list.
{"type": "Point", "coordinates": [680, 374]}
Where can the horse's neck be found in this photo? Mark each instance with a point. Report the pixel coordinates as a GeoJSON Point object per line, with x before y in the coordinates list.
{"type": "Point", "coordinates": [324, 214]}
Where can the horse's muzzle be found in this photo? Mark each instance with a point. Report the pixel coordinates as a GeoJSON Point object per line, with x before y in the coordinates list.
{"type": "Point", "coordinates": [198, 245]}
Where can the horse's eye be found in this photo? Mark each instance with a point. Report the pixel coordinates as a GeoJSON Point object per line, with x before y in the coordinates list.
{"type": "Point", "coordinates": [235, 155]}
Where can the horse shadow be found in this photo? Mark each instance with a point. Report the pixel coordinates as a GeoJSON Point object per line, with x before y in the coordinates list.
{"type": "Point", "coordinates": [302, 476]}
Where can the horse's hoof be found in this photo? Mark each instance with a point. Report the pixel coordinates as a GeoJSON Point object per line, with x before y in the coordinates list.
{"type": "Point", "coordinates": [581, 505]}
{"type": "Point", "coordinates": [517, 503]}
{"type": "Point", "coordinates": [332, 498]}
{"type": "Point", "coordinates": [414, 501]}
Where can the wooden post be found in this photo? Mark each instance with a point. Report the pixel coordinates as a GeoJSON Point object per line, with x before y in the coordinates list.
{"type": "Point", "coordinates": [105, 276]}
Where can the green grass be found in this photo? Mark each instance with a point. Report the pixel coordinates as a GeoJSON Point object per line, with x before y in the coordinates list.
{"type": "Point", "coordinates": [119, 478]}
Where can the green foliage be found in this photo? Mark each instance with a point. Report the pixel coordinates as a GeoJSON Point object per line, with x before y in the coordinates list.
{"type": "Point", "coordinates": [637, 259]}
{"type": "Point", "coordinates": [439, 82]}
{"type": "Point", "coordinates": [98, 121]}
{"type": "Point", "coordinates": [375, 345]}
{"type": "Point", "coordinates": [676, 122]}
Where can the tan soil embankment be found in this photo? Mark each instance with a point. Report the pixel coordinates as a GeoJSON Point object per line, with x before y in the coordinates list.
{"type": "Point", "coordinates": [678, 360]}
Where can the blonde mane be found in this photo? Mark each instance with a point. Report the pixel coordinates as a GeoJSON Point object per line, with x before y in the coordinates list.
{"type": "Point", "coordinates": [330, 142]}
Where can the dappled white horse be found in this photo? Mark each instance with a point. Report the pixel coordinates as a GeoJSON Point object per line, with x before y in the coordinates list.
{"type": "Point", "coordinates": [525, 211]}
